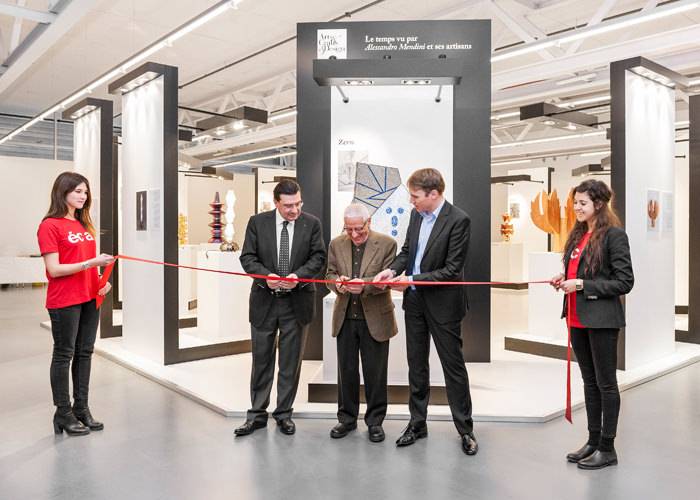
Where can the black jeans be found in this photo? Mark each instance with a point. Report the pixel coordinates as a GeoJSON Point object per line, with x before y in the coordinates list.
{"type": "Point", "coordinates": [596, 352]}
{"type": "Point", "coordinates": [74, 329]}
{"type": "Point", "coordinates": [355, 342]}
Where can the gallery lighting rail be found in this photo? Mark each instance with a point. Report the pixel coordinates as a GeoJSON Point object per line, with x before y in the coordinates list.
{"type": "Point", "coordinates": [548, 139]}
{"type": "Point", "coordinates": [598, 29]}
{"type": "Point", "coordinates": [165, 41]}
{"type": "Point", "coordinates": [256, 159]}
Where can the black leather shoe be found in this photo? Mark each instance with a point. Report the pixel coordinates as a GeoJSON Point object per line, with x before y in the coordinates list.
{"type": "Point", "coordinates": [84, 416]}
{"type": "Point", "coordinates": [469, 444]}
{"type": "Point", "coordinates": [66, 421]}
{"type": "Point", "coordinates": [249, 427]}
{"type": "Point", "coordinates": [287, 426]}
{"type": "Point", "coordinates": [585, 451]}
{"type": "Point", "coordinates": [376, 433]}
{"type": "Point", "coordinates": [598, 460]}
{"type": "Point", "coordinates": [411, 434]}
{"type": "Point", "coordinates": [342, 429]}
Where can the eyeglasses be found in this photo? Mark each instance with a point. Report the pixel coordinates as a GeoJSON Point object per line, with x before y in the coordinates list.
{"type": "Point", "coordinates": [357, 230]}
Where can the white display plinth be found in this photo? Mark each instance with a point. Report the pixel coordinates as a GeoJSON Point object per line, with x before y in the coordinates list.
{"type": "Point", "coordinates": [187, 278]}
{"type": "Point", "coordinates": [22, 270]}
{"type": "Point", "coordinates": [222, 300]}
{"type": "Point", "coordinates": [507, 261]}
{"type": "Point", "coordinates": [398, 366]}
{"type": "Point", "coordinates": [544, 302]}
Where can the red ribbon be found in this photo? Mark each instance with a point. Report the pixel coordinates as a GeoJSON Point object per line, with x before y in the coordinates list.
{"type": "Point", "coordinates": [108, 271]}
{"type": "Point", "coordinates": [567, 412]}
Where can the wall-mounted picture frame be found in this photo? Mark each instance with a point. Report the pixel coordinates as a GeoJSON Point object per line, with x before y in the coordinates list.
{"type": "Point", "coordinates": [141, 210]}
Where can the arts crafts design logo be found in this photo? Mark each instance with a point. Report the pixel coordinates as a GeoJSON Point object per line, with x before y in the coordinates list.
{"type": "Point", "coordinates": [575, 253]}
{"type": "Point", "coordinates": [77, 237]}
{"type": "Point", "coordinates": [332, 43]}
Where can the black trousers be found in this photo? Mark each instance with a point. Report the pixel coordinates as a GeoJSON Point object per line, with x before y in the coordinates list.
{"type": "Point", "coordinates": [596, 352]}
{"type": "Point", "coordinates": [420, 326]}
{"type": "Point", "coordinates": [354, 341]}
{"type": "Point", "coordinates": [292, 337]}
{"type": "Point", "coordinates": [74, 329]}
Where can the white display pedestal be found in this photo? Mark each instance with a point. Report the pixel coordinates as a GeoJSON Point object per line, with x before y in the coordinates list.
{"type": "Point", "coordinates": [187, 278]}
{"type": "Point", "coordinates": [544, 302]}
{"type": "Point", "coordinates": [222, 300]}
{"type": "Point", "coordinates": [507, 262]}
{"type": "Point", "coordinates": [22, 270]}
{"type": "Point", "coordinates": [398, 366]}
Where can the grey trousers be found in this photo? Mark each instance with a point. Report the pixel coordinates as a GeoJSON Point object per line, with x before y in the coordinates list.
{"type": "Point", "coordinates": [292, 337]}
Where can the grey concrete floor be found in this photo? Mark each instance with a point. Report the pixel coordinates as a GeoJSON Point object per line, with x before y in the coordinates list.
{"type": "Point", "coordinates": [160, 445]}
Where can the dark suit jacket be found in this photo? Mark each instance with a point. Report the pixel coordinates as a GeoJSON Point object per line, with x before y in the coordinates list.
{"type": "Point", "coordinates": [598, 305]}
{"type": "Point", "coordinates": [307, 260]}
{"type": "Point", "coordinates": [444, 259]}
{"type": "Point", "coordinates": [377, 306]}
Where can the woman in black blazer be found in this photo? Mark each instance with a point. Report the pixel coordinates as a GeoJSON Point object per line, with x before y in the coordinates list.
{"type": "Point", "coordinates": [597, 272]}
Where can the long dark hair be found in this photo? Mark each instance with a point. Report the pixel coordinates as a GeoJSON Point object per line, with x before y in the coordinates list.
{"type": "Point", "coordinates": [66, 183]}
{"type": "Point", "coordinates": [605, 218]}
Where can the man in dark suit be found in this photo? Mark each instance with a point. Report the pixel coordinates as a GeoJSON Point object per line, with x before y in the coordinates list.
{"type": "Point", "coordinates": [435, 249]}
{"type": "Point", "coordinates": [284, 242]}
{"type": "Point", "coordinates": [363, 321]}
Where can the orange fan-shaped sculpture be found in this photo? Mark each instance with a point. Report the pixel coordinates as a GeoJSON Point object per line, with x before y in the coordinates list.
{"type": "Point", "coordinates": [539, 212]}
{"type": "Point", "coordinates": [570, 215]}
{"type": "Point", "coordinates": [554, 212]}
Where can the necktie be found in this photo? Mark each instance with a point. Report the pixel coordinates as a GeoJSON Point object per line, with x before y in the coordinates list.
{"type": "Point", "coordinates": [283, 262]}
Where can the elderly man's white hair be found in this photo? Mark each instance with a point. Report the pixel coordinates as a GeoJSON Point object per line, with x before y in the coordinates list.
{"type": "Point", "coordinates": [356, 210]}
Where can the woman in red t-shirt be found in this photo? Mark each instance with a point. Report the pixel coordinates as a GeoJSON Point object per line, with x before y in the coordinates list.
{"type": "Point", "coordinates": [598, 270]}
{"type": "Point", "coordinates": [67, 243]}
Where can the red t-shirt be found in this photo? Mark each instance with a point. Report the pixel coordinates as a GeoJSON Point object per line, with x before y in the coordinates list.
{"type": "Point", "coordinates": [571, 272]}
{"type": "Point", "coordinates": [74, 244]}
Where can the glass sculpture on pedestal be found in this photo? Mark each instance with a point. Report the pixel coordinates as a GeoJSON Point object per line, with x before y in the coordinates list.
{"type": "Point", "coordinates": [216, 223]}
{"type": "Point", "coordinates": [229, 245]}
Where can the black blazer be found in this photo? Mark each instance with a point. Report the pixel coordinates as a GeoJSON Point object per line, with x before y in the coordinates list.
{"type": "Point", "coordinates": [444, 259]}
{"type": "Point", "coordinates": [307, 260]}
{"type": "Point", "coordinates": [598, 305]}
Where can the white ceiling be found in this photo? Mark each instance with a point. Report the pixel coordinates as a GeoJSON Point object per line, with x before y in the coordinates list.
{"type": "Point", "coordinates": [109, 31]}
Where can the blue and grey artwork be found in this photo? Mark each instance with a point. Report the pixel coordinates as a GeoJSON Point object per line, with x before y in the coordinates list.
{"type": "Point", "coordinates": [374, 184]}
{"type": "Point", "coordinates": [392, 217]}
{"type": "Point", "coordinates": [387, 199]}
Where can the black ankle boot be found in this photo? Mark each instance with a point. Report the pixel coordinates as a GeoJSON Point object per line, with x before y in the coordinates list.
{"type": "Point", "coordinates": [64, 420]}
{"type": "Point", "coordinates": [84, 415]}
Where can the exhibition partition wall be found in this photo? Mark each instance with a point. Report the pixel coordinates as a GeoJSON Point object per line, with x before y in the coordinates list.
{"type": "Point", "coordinates": [434, 112]}
{"type": "Point", "coordinates": [149, 208]}
{"type": "Point", "coordinates": [643, 151]}
{"type": "Point", "coordinates": [149, 200]}
{"type": "Point", "coordinates": [693, 334]}
{"type": "Point", "coordinates": [92, 157]}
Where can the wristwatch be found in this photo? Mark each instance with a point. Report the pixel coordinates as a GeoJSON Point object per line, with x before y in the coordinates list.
{"type": "Point", "coordinates": [579, 285]}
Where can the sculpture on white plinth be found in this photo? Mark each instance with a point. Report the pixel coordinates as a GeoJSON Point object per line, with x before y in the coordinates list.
{"type": "Point", "coordinates": [228, 244]}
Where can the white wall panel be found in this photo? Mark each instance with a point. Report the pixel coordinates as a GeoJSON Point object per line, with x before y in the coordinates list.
{"type": "Point", "coordinates": [650, 151]}
{"type": "Point", "coordinates": [400, 127]}
{"type": "Point", "coordinates": [86, 158]}
{"type": "Point", "coordinates": [142, 170]}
